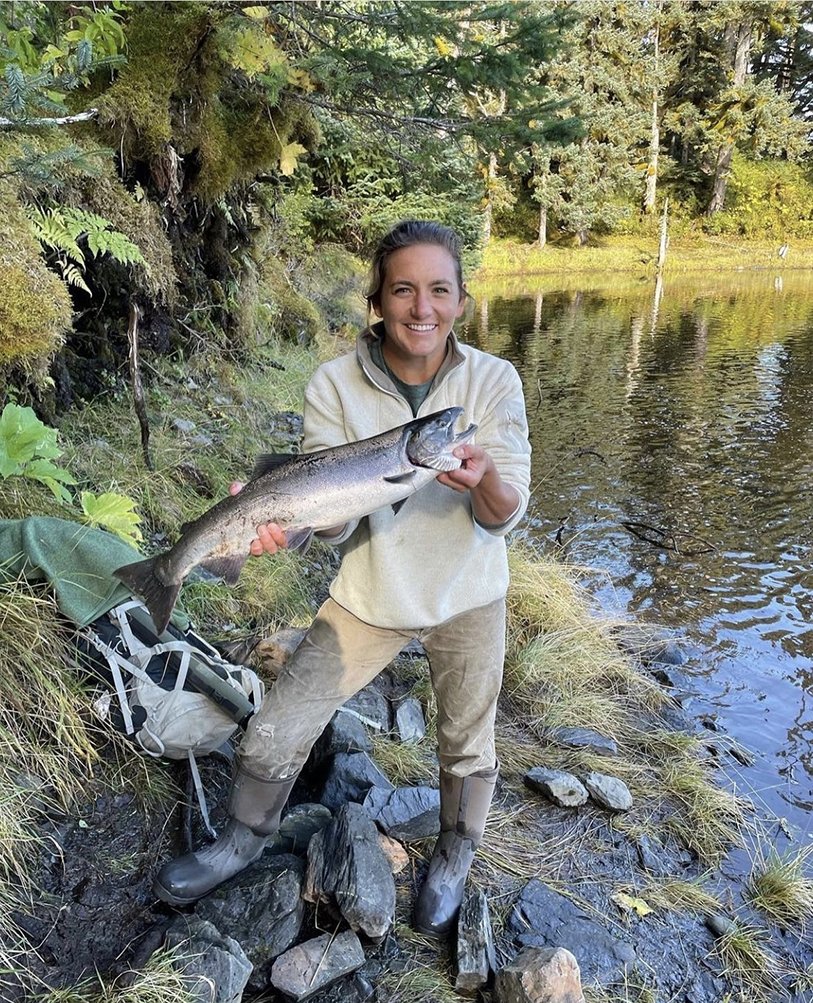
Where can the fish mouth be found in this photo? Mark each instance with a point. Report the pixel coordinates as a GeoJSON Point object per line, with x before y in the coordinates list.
{"type": "Point", "coordinates": [465, 435]}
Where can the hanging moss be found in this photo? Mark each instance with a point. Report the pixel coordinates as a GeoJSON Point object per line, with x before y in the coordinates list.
{"type": "Point", "coordinates": [35, 307]}
{"type": "Point", "coordinates": [191, 81]}
{"type": "Point", "coordinates": [282, 309]}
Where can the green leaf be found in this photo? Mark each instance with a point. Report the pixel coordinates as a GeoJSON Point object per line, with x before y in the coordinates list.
{"type": "Point", "coordinates": [114, 512]}
{"type": "Point", "coordinates": [22, 437]}
{"type": "Point", "coordinates": [53, 477]}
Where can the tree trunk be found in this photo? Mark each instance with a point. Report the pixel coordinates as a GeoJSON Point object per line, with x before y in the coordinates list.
{"type": "Point", "coordinates": [542, 237]}
{"type": "Point", "coordinates": [488, 214]}
{"type": "Point", "coordinates": [738, 41]}
{"type": "Point", "coordinates": [654, 134]}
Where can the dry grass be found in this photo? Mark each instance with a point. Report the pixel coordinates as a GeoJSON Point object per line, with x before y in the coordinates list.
{"type": "Point", "coordinates": [671, 894]}
{"type": "Point", "coordinates": [406, 763]}
{"type": "Point", "coordinates": [747, 962]}
{"type": "Point", "coordinates": [162, 980]}
{"type": "Point", "coordinates": [781, 887]}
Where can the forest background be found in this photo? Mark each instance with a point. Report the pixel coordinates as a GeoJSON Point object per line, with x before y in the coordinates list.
{"type": "Point", "coordinates": [214, 165]}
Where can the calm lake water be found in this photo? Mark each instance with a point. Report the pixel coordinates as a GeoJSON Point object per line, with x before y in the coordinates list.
{"type": "Point", "coordinates": [693, 420]}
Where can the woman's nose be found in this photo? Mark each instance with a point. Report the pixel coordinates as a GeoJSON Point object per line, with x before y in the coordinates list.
{"type": "Point", "coordinates": [421, 307]}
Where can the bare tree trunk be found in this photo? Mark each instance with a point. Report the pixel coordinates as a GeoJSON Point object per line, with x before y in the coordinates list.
{"type": "Point", "coordinates": [488, 214]}
{"type": "Point", "coordinates": [542, 237]}
{"type": "Point", "coordinates": [738, 40]}
{"type": "Point", "coordinates": [654, 134]}
{"type": "Point", "coordinates": [136, 386]}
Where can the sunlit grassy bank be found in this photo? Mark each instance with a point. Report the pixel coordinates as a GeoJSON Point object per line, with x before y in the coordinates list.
{"type": "Point", "coordinates": [637, 256]}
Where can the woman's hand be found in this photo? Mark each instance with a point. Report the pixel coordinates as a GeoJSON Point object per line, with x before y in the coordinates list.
{"type": "Point", "coordinates": [270, 537]}
{"type": "Point", "coordinates": [475, 464]}
{"type": "Point", "coordinates": [493, 501]}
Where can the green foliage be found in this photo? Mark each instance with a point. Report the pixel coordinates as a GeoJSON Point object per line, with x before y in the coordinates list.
{"type": "Point", "coordinates": [38, 68]}
{"type": "Point", "coordinates": [766, 198]}
{"type": "Point", "coordinates": [114, 512]}
{"type": "Point", "coordinates": [27, 448]}
{"type": "Point", "coordinates": [61, 228]}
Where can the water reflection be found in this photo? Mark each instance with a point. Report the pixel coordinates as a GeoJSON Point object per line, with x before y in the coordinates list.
{"type": "Point", "coordinates": [691, 414]}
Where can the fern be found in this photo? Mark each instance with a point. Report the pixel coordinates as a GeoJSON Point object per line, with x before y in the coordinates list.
{"type": "Point", "coordinates": [60, 229]}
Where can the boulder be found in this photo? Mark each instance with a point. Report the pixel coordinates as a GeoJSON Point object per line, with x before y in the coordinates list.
{"type": "Point", "coordinates": [406, 813]}
{"type": "Point", "coordinates": [343, 733]}
{"type": "Point", "coordinates": [609, 792]}
{"type": "Point", "coordinates": [540, 975]}
{"type": "Point", "coordinates": [409, 720]}
{"type": "Point", "coordinates": [475, 944]}
{"type": "Point", "coordinates": [585, 738]}
{"type": "Point", "coordinates": [297, 826]}
{"type": "Point", "coordinates": [541, 917]}
{"type": "Point", "coordinates": [563, 789]}
{"type": "Point", "coordinates": [215, 967]}
{"type": "Point", "coordinates": [347, 869]}
{"type": "Point", "coordinates": [262, 909]}
{"type": "Point", "coordinates": [309, 967]}
{"type": "Point", "coordinates": [350, 777]}
{"type": "Point", "coordinates": [371, 707]}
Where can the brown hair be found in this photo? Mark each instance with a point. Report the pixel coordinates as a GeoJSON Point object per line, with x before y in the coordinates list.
{"type": "Point", "coordinates": [407, 233]}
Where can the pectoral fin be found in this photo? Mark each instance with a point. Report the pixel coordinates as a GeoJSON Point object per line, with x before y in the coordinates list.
{"type": "Point", "coordinates": [400, 478]}
{"type": "Point", "coordinates": [299, 539]}
{"type": "Point", "coordinates": [228, 568]}
{"type": "Point", "coordinates": [266, 462]}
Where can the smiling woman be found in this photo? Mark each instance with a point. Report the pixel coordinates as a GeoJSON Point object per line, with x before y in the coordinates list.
{"type": "Point", "coordinates": [437, 571]}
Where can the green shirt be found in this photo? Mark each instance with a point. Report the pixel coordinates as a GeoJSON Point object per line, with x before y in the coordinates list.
{"type": "Point", "coordinates": [413, 393]}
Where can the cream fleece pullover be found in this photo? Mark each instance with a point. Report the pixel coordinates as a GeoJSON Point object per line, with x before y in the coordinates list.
{"type": "Point", "coordinates": [432, 560]}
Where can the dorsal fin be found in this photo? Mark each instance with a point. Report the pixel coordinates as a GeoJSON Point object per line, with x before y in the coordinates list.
{"type": "Point", "coordinates": [266, 462]}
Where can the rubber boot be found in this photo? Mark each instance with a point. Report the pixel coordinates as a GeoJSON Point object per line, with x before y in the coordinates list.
{"type": "Point", "coordinates": [464, 804]}
{"type": "Point", "coordinates": [255, 808]}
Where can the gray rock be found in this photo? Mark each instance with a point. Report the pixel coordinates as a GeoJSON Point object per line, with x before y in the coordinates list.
{"type": "Point", "coordinates": [720, 925]}
{"type": "Point", "coordinates": [540, 975]}
{"type": "Point", "coordinates": [183, 425]}
{"type": "Point", "coordinates": [371, 708]}
{"type": "Point", "coordinates": [475, 943]}
{"type": "Point", "coordinates": [653, 856]}
{"type": "Point", "coordinates": [562, 788]}
{"type": "Point", "coordinates": [262, 908]}
{"type": "Point", "coordinates": [409, 720]}
{"type": "Point", "coordinates": [585, 738]}
{"type": "Point", "coordinates": [311, 966]}
{"type": "Point", "coordinates": [343, 733]}
{"type": "Point", "coordinates": [347, 868]}
{"type": "Point", "coordinates": [202, 440]}
{"type": "Point", "coordinates": [297, 827]}
{"type": "Point", "coordinates": [407, 813]}
{"type": "Point", "coordinates": [609, 792]}
{"type": "Point", "coordinates": [542, 917]}
{"type": "Point", "coordinates": [214, 966]}
{"type": "Point", "coordinates": [351, 776]}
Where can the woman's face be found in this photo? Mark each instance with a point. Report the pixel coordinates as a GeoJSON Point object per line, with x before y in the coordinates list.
{"type": "Point", "coordinates": [420, 301]}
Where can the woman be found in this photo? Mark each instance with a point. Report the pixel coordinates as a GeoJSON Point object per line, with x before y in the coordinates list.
{"type": "Point", "coordinates": [437, 571]}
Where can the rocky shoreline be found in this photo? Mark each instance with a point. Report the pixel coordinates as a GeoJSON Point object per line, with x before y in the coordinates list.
{"type": "Point", "coordinates": [324, 915]}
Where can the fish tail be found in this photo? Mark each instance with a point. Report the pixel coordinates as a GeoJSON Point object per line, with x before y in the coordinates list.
{"type": "Point", "coordinates": [141, 579]}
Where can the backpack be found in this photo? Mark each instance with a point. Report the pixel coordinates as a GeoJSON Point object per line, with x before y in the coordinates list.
{"type": "Point", "coordinates": [176, 696]}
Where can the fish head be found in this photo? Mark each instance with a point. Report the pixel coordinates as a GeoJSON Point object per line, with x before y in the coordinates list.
{"type": "Point", "coordinates": [430, 441]}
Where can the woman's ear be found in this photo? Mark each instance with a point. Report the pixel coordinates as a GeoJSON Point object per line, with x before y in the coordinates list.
{"type": "Point", "coordinates": [464, 300]}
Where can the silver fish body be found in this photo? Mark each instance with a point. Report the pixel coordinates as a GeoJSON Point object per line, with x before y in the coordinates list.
{"type": "Point", "coordinates": [303, 494]}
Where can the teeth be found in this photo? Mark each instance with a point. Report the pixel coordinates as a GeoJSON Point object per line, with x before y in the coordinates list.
{"type": "Point", "coordinates": [421, 327]}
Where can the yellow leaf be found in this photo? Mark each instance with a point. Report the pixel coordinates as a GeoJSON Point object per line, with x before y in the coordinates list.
{"type": "Point", "coordinates": [301, 79]}
{"type": "Point", "coordinates": [288, 157]}
{"type": "Point", "coordinates": [629, 904]}
{"type": "Point", "coordinates": [443, 47]}
{"type": "Point", "coordinates": [257, 13]}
